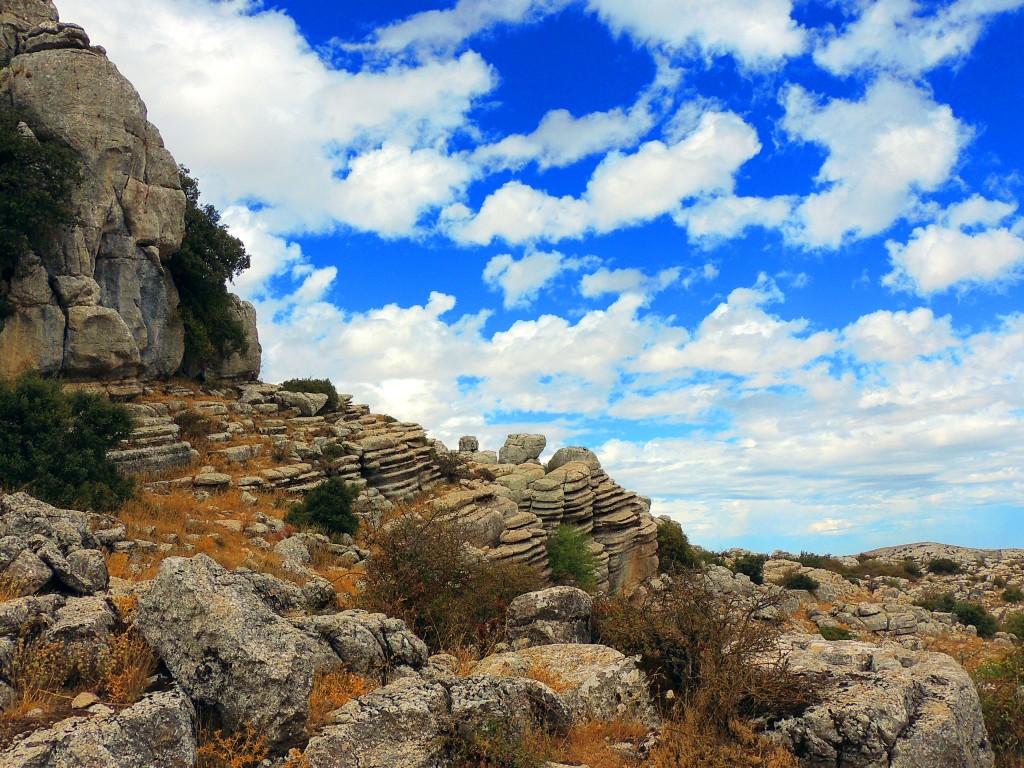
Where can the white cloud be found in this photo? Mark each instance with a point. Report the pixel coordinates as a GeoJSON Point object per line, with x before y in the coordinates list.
{"type": "Point", "coordinates": [619, 281]}
{"type": "Point", "coordinates": [242, 99]}
{"type": "Point", "coordinates": [521, 280]}
{"type": "Point", "coordinates": [728, 216]}
{"type": "Point", "coordinates": [757, 32]}
{"type": "Point", "coordinates": [883, 151]}
{"type": "Point", "coordinates": [938, 258]}
{"type": "Point", "coordinates": [907, 36]}
{"type": "Point", "coordinates": [624, 190]}
{"type": "Point", "coordinates": [897, 337]}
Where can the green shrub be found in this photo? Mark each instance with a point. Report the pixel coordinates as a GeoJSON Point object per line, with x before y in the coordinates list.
{"type": "Point", "coordinates": [423, 572]}
{"type": "Point", "coordinates": [209, 257]}
{"type": "Point", "coordinates": [836, 633]}
{"type": "Point", "coordinates": [497, 743]}
{"type": "Point", "coordinates": [974, 614]}
{"type": "Point", "coordinates": [317, 386]}
{"type": "Point", "coordinates": [943, 566]}
{"type": "Point", "coordinates": [450, 464]}
{"type": "Point", "coordinates": [825, 562]}
{"type": "Point", "coordinates": [674, 549]}
{"type": "Point", "coordinates": [1001, 690]}
{"type": "Point", "coordinates": [37, 179]}
{"type": "Point", "coordinates": [54, 444]}
{"type": "Point", "coordinates": [752, 566]}
{"type": "Point", "coordinates": [797, 580]}
{"type": "Point", "coordinates": [1013, 595]}
{"type": "Point", "coordinates": [328, 507]}
{"type": "Point", "coordinates": [944, 602]}
{"type": "Point", "coordinates": [1014, 624]}
{"type": "Point", "coordinates": [570, 558]}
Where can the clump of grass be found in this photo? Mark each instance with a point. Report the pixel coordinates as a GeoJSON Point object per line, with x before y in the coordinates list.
{"type": "Point", "coordinates": [333, 688]}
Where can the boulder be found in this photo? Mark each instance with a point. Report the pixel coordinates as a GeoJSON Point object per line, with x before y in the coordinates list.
{"type": "Point", "coordinates": [369, 643]}
{"type": "Point", "coordinates": [229, 650]}
{"type": "Point", "coordinates": [307, 403]}
{"type": "Point", "coordinates": [550, 616]}
{"type": "Point", "coordinates": [244, 364]}
{"type": "Point", "coordinates": [883, 706]}
{"type": "Point", "coordinates": [574, 453]}
{"type": "Point", "coordinates": [595, 681]}
{"type": "Point", "coordinates": [157, 731]}
{"type": "Point", "coordinates": [522, 449]}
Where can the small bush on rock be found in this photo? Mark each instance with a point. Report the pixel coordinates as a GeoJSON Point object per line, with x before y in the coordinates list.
{"type": "Point", "coordinates": [450, 464]}
{"type": "Point", "coordinates": [974, 614]}
{"type": "Point", "coordinates": [570, 557]}
{"type": "Point", "coordinates": [1001, 689]}
{"type": "Point", "coordinates": [494, 745]}
{"type": "Point", "coordinates": [797, 580]}
{"type": "Point", "coordinates": [1013, 595]}
{"type": "Point", "coordinates": [327, 507]}
{"type": "Point", "coordinates": [317, 386]}
{"type": "Point", "coordinates": [836, 633]}
{"type": "Point", "coordinates": [943, 566]}
{"type": "Point", "coordinates": [674, 549]}
{"type": "Point", "coordinates": [751, 566]}
{"type": "Point", "coordinates": [1014, 624]}
{"type": "Point", "coordinates": [423, 571]}
{"type": "Point", "coordinates": [54, 444]}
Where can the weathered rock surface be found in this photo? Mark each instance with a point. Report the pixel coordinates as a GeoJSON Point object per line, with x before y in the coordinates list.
{"type": "Point", "coordinates": [521, 449]}
{"type": "Point", "coordinates": [369, 643]}
{"type": "Point", "coordinates": [228, 650]}
{"type": "Point", "coordinates": [157, 731]}
{"type": "Point", "coordinates": [550, 616]}
{"type": "Point", "coordinates": [883, 707]}
{"type": "Point", "coordinates": [98, 301]}
{"type": "Point", "coordinates": [595, 681]}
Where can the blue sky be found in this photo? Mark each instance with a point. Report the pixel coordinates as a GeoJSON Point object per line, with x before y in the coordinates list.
{"type": "Point", "coordinates": [763, 256]}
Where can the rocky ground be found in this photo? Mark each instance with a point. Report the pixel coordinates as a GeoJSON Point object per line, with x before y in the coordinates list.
{"type": "Point", "coordinates": [197, 598]}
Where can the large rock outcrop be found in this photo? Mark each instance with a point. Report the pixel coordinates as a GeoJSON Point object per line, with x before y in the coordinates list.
{"type": "Point", "coordinates": [98, 302]}
{"type": "Point", "coordinates": [883, 707]}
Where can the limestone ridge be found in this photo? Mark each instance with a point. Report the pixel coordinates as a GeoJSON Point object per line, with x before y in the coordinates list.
{"type": "Point", "coordinates": [98, 303]}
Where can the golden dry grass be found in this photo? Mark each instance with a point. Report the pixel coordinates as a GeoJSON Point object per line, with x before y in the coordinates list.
{"type": "Point", "coordinates": [687, 742]}
{"type": "Point", "coordinates": [242, 749]}
{"type": "Point", "coordinates": [594, 744]}
{"type": "Point", "coordinates": [333, 689]}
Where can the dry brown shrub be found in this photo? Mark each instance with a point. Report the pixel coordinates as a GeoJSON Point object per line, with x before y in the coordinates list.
{"type": "Point", "coordinates": [594, 743]}
{"type": "Point", "coordinates": [550, 678]}
{"type": "Point", "coordinates": [968, 651]}
{"type": "Point", "coordinates": [689, 742]}
{"type": "Point", "coordinates": [127, 668]}
{"type": "Point", "coordinates": [242, 749]}
{"type": "Point", "coordinates": [333, 689]}
{"type": "Point", "coordinates": [38, 674]}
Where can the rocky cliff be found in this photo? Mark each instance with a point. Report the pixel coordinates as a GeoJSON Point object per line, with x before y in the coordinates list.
{"type": "Point", "coordinates": [97, 303]}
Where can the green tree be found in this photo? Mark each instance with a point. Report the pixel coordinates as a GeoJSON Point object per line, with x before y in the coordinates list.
{"type": "Point", "coordinates": [328, 506]}
{"type": "Point", "coordinates": [209, 258]}
{"type": "Point", "coordinates": [54, 444]}
{"type": "Point", "coordinates": [37, 179]}
{"type": "Point", "coordinates": [674, 549]}
{"type": "Point", "coordinates": [570, 557]}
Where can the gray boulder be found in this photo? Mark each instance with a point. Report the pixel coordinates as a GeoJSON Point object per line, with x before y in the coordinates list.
{"type": "Point", "coordinates": [307, 403]}
{"type": "Point", "coordinates": [883, 707]}
{"type": "Point", "coordinates": [549, 616]}
{"type": "Point", "coordinates": [521, 449]}
{"type": "Point", "coordinates": [157, 731]}
{"type": "Point", "coordinates": [229, 650]}
{"type": "Point", "coordinates": [573, 453]}
{"type": "Point", "coordinates": [369, 643]}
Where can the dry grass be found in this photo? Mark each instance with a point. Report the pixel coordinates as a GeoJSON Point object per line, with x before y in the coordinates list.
{"type": "Point", "coordinates": [551, 679]}
{"type": "Point", "coordinates": [242, 749]}
{"type": "Point", "coordinates": [968, 651]}
{"type": "Point", "coordinates": [333, 689]}
{"type": "Point", "coordinates": [688, 742]}
{"type": "Point", "coordinates": [594, 744]}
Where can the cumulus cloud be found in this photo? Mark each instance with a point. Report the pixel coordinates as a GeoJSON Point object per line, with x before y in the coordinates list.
{"type": "Point", "coordinates": [965, 248]}
{"type": "Point", "coordinates": [907, 36]}
{"type": "Point", "coordinates": [728, 216]}
{"type": "Point", "coordinates": [883, 152]}
{"type": "Point", "coordinates": [624, 190]}
{"type": "Point", "coordinates": [757, 32]}
{"type": "Point", "coordinates": [243, 100]}
{"type": "Point", "coordinates": [521, 280]}
{"type": "Point", "coordinates": [897, 337]}
{"type": "Point", "coordinates": [619, 281]}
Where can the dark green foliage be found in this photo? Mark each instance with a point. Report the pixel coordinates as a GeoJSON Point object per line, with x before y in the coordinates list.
{"type": "Point", "coordinates": [674, 549]}
{"type": "Point", "coordinates": [967, 611]}
{"type": "Point", "coordinates": [331, 451]}
{"type": "Point", "coordinates": [797, 580]}
{"type": "Point", "coordinates": [54, 444]}
{"type": "Point", "coordinates": [209, 257]}
{"type": "Point", "coordinates": [318, 386]}
{"type": "Point", "coordinates": [571, 560]}
{"type": "Point", "coordinates": [1001, 690]}
{"type": "Point", "coordinates": [943, 565]}
{"type": "Point", "coordinates": [1013, 595]}
{"type": "Point", "coordinates": [836, 633]}
{"type": "Point", "coordinates": [911, 568]}
{"type": "Point", "coordinates": [422, 572]}
{"type": "Point", "coordinates": [495, 744]}
{"type": "Point", "coordinates": [825, 562]}
{"type": "Point", "coordinates": [752, 566]}
{"type": "Point", "coordinates": [37, 179]}
{"type": "Point", "coordinates": [328, 507]}
{"type": "Point", "coordinates": [1014, 624]}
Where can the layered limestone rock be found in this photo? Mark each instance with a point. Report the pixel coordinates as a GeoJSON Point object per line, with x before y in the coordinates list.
{"type": "Point", "coordinates": [98, 303]}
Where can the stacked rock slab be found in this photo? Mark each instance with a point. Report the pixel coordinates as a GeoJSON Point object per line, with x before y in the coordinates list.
{"type": "Point", "coordinates": [97, 302]}
{"type": "Point", "coordinates": [155, 444]}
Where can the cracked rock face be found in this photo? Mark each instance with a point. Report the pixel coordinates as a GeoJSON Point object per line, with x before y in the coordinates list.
{"type": "Point", "coordinates": [98, 302]}
{"type": "Point", "coordinates": [884, 707]}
